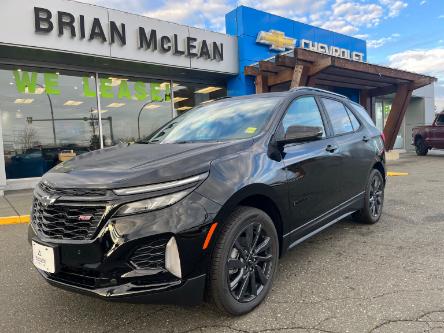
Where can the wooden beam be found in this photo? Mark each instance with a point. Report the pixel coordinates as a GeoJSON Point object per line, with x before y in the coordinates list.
{"type": "Point", "coordinates": [281, 77]}
{"type": "Point", "coordinates": [261, 82]}
{"type": "Point", "coordinates": [285, 61]}
{"type": "Point", "coordinates": [251, 70]}
{"type": "Point", "coordinates": [320, 65]}
{"type": "Point", "coordinates": [311, 56]}
{"type": "Point", "coordinates": [338, 83]}
{"type": "Point", "coordinates": [354, 80]}
{"type": "Point", "coordinates": [396, 115]}
{"type": "Point", "coordinates": [383, 91]}
{"type": "Point", "coordinates": [265, 66]}
{"type": "Point", "coordinates": [366, 101]}
{"type": "Point", "coordinates": [299, 78]}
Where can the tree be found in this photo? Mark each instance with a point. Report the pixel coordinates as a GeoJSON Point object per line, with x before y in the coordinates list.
{"type": "Point", "coordinates": [29, 138]}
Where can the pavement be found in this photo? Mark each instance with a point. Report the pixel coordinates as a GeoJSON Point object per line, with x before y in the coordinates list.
{"type": "Point", "coordinates": [349, 278]}
{"type": "Point", "coordinates": [16, 203]}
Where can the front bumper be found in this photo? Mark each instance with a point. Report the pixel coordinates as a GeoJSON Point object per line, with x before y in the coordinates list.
{"type": "Point", "coordinates": [104, 266]}
{"type": "Point", "coordinates": [189, 292]}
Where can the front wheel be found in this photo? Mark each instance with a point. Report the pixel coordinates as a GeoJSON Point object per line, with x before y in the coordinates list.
{"type": "Point", "coordinates": [421, 147]}
{"type": "Point", "coordinates": [244, 261]}
{"type": "Point", "coordinates": [373, 199]}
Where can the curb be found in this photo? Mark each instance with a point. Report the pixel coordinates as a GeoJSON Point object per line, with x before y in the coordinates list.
{"type": "Point", "coordinates": [19, 219]}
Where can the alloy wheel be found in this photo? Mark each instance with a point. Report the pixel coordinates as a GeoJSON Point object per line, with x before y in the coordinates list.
{"type": "Point", "coordinates": [249, 263]}
{"type": "Point", "coordinates": [376, 196]}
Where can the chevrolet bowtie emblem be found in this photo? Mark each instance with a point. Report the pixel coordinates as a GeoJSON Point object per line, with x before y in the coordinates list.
{"type": "Point", "coordinates": [276, 39]}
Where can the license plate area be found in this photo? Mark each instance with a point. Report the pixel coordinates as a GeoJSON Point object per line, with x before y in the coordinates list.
{"type": "Point", "coordinates": [45, 257]}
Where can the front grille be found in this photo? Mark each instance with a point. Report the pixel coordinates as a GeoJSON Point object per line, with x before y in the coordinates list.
{"type": "Point", "coordinates": [150, 256]}
{"type": "Point", "coordinates": [72, 192]}
{"type": "Point", "coordinates": [65, 220]}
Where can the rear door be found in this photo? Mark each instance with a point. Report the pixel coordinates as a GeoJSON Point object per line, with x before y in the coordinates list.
{"type": "Point", "coordinates": [310, 166]}
{"type": "Point", "coordinates": [355, 150]}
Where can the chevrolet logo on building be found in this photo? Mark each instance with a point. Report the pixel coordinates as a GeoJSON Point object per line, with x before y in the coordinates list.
{"type": "Point", "coordinates": [276, 39]}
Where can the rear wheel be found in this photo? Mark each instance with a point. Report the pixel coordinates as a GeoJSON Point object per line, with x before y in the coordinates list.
{"type": "Point", "coordinates": [421, 147]}
{"type": "Point", "coordinates": [373, 199]}
{"type": "Point", "coordinates": [244, 261]}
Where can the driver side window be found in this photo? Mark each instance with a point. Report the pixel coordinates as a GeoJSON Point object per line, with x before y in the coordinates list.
{"type": "Point", "coordinates": [303, 111]}
{"type": "Point", "coordinates": [440, 120]}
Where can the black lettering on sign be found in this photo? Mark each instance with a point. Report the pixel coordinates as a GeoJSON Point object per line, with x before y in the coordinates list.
{"type": "Point", "coordinates": [97, 31]}
{"type": "Point", "coordinates": [82, 26]}
{"type": "Point", "coordinates": [42, 20]}
{"type": "Point", "coordinates": [204, 50]}
{"type": "Point", "coordinates": [218, 51]}
{"type": "Point", "coordinates": [66, 20]}
{"type": "Point", "coordinates": [144, 42]}
{"type": "Point", "coordinates": [191, 47]}
{"type": "Point", "coordinates": [177, 51]}
{"type": "Point", "coordinates": [121, 34]}
{"type": "Point", "coordinates": [165, 43]}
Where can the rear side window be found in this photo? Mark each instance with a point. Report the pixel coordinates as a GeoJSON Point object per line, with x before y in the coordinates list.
{"type": "Point", "coordinates": [363, 113]}
{"type": "Point", "coordinates": [303, 111]}
{"type": "Point", "coordinates": [338, 115]}
{"type": "Point", "coordinates": [353, 119]}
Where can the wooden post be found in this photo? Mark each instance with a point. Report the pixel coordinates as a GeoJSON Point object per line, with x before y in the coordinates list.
{"type": "Point", "coordinates": [261, 84]}
{"type": "Point", "coordinates": [299, 78]}
{"type": "Point", "coordinates": [396, 115]}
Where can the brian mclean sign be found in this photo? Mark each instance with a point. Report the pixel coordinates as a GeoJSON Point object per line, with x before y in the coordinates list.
{"type": "Point", "coordinates": [75, 27]}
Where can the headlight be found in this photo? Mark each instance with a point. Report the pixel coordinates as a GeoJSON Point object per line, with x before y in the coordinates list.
{"type": "Point", "coordinates": [152, 203]}
{"type": "Point", "coordinates": [160, 186]}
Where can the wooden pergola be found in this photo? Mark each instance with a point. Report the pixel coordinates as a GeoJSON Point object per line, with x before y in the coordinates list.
{"type": "Point", "coordinates": [302, 67]}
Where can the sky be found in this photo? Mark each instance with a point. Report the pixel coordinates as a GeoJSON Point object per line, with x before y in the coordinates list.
{"type": "Point", "coordinates": [405, 34]}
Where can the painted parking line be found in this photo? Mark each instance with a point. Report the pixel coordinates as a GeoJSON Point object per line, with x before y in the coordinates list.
{"type": "Point", "coordinates": [18, 219]}
{"type": "Point", "coordinates": [395, 174]}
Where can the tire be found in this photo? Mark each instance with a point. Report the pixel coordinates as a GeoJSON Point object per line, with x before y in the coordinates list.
{"type": "Point", "coordinates": [373, 199]}
{"type": "Point", "coordinates": [421, 147]}
{"type": "Point", "coordinates": [237, 271]}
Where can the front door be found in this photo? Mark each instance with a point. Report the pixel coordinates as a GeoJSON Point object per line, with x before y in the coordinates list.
{"type": "Point", "coordinates": [437, 132]}
{"type": "Point", "coordinates": [311, 167]}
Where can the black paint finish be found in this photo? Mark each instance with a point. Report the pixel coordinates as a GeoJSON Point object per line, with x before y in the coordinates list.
{"type": "Point", "coordinates": [303, 186]}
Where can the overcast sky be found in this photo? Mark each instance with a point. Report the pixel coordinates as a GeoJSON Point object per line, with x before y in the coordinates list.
{"type": "Point", "coordinates": [407, 34]}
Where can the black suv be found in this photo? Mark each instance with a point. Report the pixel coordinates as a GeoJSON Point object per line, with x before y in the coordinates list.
{"type": "Point", "coordinates": [208, 203]}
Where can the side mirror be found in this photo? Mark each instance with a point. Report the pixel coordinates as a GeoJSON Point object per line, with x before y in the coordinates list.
{"type": "Point", "coordinates": [298, 133]}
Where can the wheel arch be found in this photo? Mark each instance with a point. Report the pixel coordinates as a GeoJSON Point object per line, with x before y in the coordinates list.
{"type": "Point", "coordinates": [380, 167]}
{"type": "Point", "coordinates": [259, 196]}
{"type": "Point", "coordinates": [417, 137]}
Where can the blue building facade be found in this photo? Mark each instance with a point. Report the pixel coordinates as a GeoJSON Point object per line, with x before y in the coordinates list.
{"type": "Point", "coordinates": [246, 23]}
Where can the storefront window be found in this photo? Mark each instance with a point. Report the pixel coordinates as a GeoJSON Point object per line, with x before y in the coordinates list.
{"type": "Point", "coordinates": [187, 96]}
{"type": "Point", "coordinates": [382, 109]}
{"type": "Point", "coordinates": [47, 117]}
{"type": "Point", "coordinates": [133, 108]}
{"type": "Point", "coordinates": [50, 116]}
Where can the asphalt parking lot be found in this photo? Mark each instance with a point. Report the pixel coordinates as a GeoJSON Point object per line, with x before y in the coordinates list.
{"type": "Point", "coordinates": [349, 278]}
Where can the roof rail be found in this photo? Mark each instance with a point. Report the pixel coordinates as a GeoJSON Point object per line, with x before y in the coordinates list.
{"type": "Point", "coordinates": [319, 90]}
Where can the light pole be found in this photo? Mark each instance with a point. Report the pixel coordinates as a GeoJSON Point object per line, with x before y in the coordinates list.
{"type": "Point", "coordinates": [138, 117]}
{"type": "Point", "coordinates": [52, 114]}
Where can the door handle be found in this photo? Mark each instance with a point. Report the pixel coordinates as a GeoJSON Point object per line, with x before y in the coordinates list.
{"type": "Point", "coordinates": [365, 138]}
{"type": "Point", "coordinates": [331, 148]}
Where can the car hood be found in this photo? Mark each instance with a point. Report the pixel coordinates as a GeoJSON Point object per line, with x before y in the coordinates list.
{"type": "Point", "coordinates": [139, 164]}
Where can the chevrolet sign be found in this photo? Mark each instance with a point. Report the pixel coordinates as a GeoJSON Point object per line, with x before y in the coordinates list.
{"type": "Point", "coordinates": [279, 42]}
{"type": "Point", "coordinates": [276, 39]}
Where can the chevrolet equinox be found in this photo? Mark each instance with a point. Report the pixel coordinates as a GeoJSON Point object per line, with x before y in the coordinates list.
{"type": "Point", "coordinates": [205, 206]}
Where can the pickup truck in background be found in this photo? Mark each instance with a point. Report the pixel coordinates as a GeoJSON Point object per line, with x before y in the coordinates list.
{"type": "Point", "coordinates": [427, 137]}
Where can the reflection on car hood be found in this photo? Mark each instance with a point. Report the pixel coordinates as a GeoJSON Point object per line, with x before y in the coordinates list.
{"type": "Point", "coordinates": [138, 164]}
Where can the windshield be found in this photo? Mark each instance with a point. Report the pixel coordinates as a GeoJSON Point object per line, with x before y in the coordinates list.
{"type": "Point", "coordinates": [229, 119]}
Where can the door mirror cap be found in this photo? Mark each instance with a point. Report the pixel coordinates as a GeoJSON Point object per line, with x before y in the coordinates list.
{"type": "Point", "coordinates": [298, 133]}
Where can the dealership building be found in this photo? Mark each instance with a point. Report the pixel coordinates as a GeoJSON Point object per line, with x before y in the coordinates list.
{"type": "Point", "coordinates": [76, 77]}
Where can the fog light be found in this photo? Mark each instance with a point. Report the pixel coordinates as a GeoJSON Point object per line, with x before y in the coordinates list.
{"type": "Point", "coordinates": [172, 259]}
